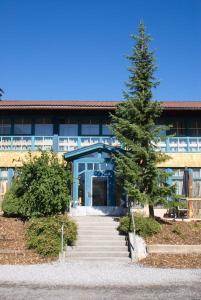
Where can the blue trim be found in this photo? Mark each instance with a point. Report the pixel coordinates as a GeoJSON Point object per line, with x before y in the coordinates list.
{"type": "Point", "coordinates": [77, 157]}
{"type": "Point", "coordinates": [75, 184]}
{"type": "Point", "coordinates": [90, 149]}
{"type": "Point", "coordinates": [19, 143]}
{"type": "Point", "coordinates": [55, 145]}
{"type": "Point", "coordinates": [10, 176]}
{"type": "Point", "coordinates": [170, 179]}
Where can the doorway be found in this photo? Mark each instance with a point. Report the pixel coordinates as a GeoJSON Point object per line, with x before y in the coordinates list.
{"type": "Point", "coordinates": [99, 190]}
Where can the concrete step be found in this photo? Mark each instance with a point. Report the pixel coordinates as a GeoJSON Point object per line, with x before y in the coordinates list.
{"type": "Point", "coordinates": [98, 248]}
{"type": "Point", "coordinates": [100, 220]}
{"type": "Point", "coordinates": [97, 225]}
{"type": "Point", "coordinates": [98, 240]}
{"type": "Point", "coordinates": [97, 254]}
{"type": "Point", "coordinates": [102, 259]}
{"type": "Point", "coordinates": [107, 237]}
{"type": "Point", "coordinates": [97, 232]}
{"type": "Point", "coordinates": [106, 243]}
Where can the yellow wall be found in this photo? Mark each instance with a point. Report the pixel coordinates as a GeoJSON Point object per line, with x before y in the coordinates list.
{"type": "Point", "coordinates": [181, 160]}
{"type": "Point", "coordinates": [177, 160]}
{"type": "Point", "coordinates": [15, 159]}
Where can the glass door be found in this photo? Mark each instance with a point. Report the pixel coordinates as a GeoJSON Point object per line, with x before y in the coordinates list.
{"type": "Point", "coordinates": [99, 190]}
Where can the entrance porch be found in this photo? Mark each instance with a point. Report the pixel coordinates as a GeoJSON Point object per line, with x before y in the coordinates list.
{"type": "Point", "coordinates": [95, 190]}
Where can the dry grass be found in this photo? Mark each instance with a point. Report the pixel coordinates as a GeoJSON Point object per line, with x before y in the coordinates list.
{"type": "Point", "coordinates": [179, 261]}
{"type": "Point", "coordinates": [176, 233]}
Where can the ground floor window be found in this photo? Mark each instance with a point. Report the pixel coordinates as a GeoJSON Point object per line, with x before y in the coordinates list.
{"type": "Point", "coordinates": [178, 179]}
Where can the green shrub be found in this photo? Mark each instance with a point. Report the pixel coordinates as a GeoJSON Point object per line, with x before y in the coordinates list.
{"type": "Point", "coordinates": [44, 234]}
{"type": "Point", "coordinates": [11, 204]}
{"type": "Point", "coordinates": [144, 226]}
{"type": "Point", "coordinates": [41, 187]}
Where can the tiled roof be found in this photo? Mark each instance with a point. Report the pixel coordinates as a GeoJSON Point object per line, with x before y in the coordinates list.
{"type": "Point", "coordinates": [186, 105]}
{"type": "Point", "coordinates": [88, 105]}
{"type": "Point", "coordinates": [63, 105]}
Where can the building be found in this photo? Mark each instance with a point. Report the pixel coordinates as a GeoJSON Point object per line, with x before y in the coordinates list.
{"type": "Point", "coordinates": [79, 131]}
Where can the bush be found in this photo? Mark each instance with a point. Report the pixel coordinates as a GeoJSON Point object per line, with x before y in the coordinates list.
{"type": "Point", "coordinates": [144, 226]}
{"type": "Point", "coordinates": [11, 205]}
{"type": "Point", "coordinates": [41, 187]}
{"type": "Point", "coordinates": [44, 234]}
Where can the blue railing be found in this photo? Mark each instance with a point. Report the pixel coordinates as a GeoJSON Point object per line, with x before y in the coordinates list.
{"type": "Point", "coordinates": [69, 143]}
{"type": "Point", "coordinates": [56, 143]}
{"type": "Point", "coordinates": [180, 144]}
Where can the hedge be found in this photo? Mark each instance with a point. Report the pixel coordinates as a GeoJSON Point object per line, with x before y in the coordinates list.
{"type": "Point", "coordinates": [44, 234]}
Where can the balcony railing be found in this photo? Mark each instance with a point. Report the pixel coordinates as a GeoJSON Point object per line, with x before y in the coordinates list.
{"type": "Point", "coordinates": [180, 144]}
{"type": "Point", "coordinates": [56, 143]}
{"type": "Point", "coordinates": [69, 143]}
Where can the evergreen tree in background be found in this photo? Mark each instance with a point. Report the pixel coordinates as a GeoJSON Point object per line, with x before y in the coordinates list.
{"type": "Point", "coordinates": [1, 93]}
{"type": "Point", "coordinates": [134, 125]}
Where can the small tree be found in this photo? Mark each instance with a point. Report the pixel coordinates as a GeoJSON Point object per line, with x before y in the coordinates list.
{"type": "Point", "coordinates": [41, 187]}
{"type": "Point", "coordinates": [1, 93]}
{"type": "Point", "coordinates": [134, 124]}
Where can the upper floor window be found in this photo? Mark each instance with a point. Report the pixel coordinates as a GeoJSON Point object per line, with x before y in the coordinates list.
{"type": "Point", "coordinates": [22, 126]}
{"type": "Point", "coordinates": [90, 129]}
{"type": "Point", "coordinates": [179, 128]}
{"type": "Point", "coordinates": [5, 126]}
{"type": "Point", "coordinates": [106, 130]}
{"type": "Point", "coordinates": [43, 127]}
{"type": "Point", "coordinates": [68, 129]}
{"type": "Point", "coordinates": [194, 128]}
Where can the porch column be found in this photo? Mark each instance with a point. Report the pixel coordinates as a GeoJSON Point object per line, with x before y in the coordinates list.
{"type": "Point", "coordinates": [75, 184]}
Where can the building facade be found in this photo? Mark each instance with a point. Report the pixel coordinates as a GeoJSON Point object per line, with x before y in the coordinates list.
{"type": "Point", "coordinates": [78, 130]}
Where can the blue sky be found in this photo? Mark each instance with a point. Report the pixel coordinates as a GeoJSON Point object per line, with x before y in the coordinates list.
{"type": "Point", "coordinates": [75, 49]}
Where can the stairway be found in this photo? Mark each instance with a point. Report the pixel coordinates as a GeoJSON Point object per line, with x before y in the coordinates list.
{"type": "Point", "coordinates": [98, 239]}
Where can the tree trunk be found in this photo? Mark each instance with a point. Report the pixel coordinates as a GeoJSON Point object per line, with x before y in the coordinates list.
{"type": "Point", "coordinates": [151, 211]}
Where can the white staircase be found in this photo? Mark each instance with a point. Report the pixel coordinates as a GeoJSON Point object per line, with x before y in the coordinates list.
{"type": "Point", "coordinates": [98, 239]}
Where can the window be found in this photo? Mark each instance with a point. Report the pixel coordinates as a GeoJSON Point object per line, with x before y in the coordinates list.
{"type": "Point", "coordinates": [43, 127]}
{"type": "Point", "coordinates": [4, 172]}
{"type": "Point", "coordinates": [81, 167]}
{"type": "Point", "coordinates": [192, 130]}
{"type": "Point", "coordinates": [89, 166]}
{"type": "Point", "coordinates": [178, 180]}
{"type": "Point", "coordinates": [96, 167]}
{"type": "Point", "coordinates": [90, 129]}
{"type": "Point", "coordinates": [179, 128]}
{"type": "Point", "coordinates": [106, 130]}
{"type": "Point", "coordinates": [5, 126]}
{"type": "Point", "coordinates": [68, 129]}
{"type": "Point", "coordinates": [22, 126]}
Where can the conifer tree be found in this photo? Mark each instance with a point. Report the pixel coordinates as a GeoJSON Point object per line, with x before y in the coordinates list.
{"type": "Point", "coordinates": [134, 125]}
{"type": "Point", "coordinates": [1, 93]}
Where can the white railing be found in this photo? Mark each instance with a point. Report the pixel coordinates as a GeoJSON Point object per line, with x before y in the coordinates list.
{"type": "Point", "coordinates": [69, 143]}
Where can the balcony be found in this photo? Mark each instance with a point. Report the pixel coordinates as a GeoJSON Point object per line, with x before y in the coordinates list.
{"type": "Point", "coordinates": [180, 144]}
{"type": "Point", "coordinates": [56, 143]}
{"type": "Point", "coordinates": [69, 143]}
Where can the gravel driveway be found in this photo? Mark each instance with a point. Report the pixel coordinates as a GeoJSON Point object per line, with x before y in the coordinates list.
{"type": "Point", "coordinates": [94, 274]}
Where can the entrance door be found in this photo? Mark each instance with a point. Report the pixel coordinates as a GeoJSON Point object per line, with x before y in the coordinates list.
{"type": "Point", "coordinates": [99, 191]}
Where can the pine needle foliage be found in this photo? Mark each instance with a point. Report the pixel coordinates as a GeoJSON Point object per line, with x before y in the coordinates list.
{"type": "Point", "coordinates": [134, 123]}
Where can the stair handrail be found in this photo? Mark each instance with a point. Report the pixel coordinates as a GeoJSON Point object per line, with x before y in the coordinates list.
{"type": "Point", "coordinates": [132, 236]}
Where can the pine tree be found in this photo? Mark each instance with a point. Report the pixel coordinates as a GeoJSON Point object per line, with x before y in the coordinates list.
{"type": "Point", "coordinates": [1, 93]}
{"type": "Point", "coordinates": [134, 125]}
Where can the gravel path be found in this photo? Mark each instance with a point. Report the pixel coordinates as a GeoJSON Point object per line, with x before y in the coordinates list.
{"type": "Point", "coordinates": [93, 274]}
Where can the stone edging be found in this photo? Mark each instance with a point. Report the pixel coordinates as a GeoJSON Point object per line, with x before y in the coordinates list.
{"type": "Point", "coordinates": [174, 249]}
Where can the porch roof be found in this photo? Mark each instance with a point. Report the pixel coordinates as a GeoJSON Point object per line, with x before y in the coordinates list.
{"type": "Point", "coordinates": [72, 155]}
